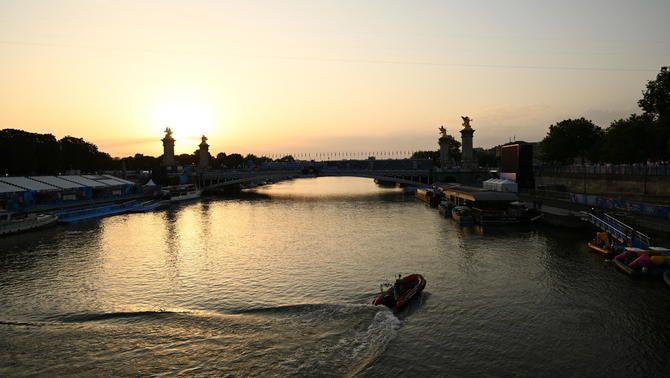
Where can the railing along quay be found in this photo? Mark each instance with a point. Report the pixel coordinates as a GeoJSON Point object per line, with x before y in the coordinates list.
{"type": "Point", "coordinates": [616, 170]}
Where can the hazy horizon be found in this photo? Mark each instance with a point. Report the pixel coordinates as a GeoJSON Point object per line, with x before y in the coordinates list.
{"type": "Point", "coordinates": [298, 76]}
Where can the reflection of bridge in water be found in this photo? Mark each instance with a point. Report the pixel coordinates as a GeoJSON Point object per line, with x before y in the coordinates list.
{"type": "Point", "coordinates": [409, 172]}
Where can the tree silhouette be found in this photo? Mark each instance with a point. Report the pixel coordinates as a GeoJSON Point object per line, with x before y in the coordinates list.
{"type": "Point", "coordinates": [655, 99]}
{"type": "Point", "coordinates": [629, 140]}
{"type": "Point", "coordinates": [570, 139]}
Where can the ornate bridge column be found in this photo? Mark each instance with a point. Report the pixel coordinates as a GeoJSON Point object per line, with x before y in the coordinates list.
{"type": "Point", "coordinates": [444, 148]}
{"type": "Point", "coordinates": [467, 158]}
{"type": "Point", "coordinates": [203, 155]}
{"type": "Point", "coordinates": [168, 149]}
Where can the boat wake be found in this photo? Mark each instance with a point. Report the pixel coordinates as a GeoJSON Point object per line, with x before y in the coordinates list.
{"type": "Point", "coordinates": [93, 317]}
{"type": "Point", "coordinates": [309, 339]}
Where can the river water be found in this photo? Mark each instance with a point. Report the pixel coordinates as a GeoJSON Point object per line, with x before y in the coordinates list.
{"type": "Point", "coordinates": [278, 282]}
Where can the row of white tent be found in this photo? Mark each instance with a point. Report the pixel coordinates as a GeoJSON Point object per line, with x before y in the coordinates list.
{"type": "Point", "coordinates": [17, 184]}
{"type": "Point", "coordinates": [500, 185]}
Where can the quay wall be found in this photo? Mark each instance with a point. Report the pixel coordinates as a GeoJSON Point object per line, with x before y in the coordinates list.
{"type": "Point", "coordinates": [638, 186]}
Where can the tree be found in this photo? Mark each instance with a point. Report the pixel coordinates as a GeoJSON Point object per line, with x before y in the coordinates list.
{"type": "Point", "coordinates": [76, 153]}
{"type": "Point", "coordinates": [141, 162]}
{"type": "Point", "coordinates": [432, 155]}
{"type": "Point", "coordinates": [23, 153]}
{"type": "Point", "coordinates": [256, 160]}
{"type": "Point", "coordinates": [286, 159]}
{"type": "Point", "coordinates": [186, 159]}
{"type": "Point", "coordinates": [655, 102]}
{"type": "Point", "coordinates": [453, 146]}
{"type": "Point", "coordinates": [630, 140]}
{"type": "Point", "coordinates": [656, 99]}
{"type": "Point", "coordinates": [219, 160]}
{"type": "Point", "coordinates": [570, 139]}
{"type": "Point", "coordinates": [486, 158]}
{"type": "Point", "coordinates": [231, 161]}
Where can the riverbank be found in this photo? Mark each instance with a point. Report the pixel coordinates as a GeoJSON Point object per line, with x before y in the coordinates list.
{"type": "Point", "coordinates": [657, 228]}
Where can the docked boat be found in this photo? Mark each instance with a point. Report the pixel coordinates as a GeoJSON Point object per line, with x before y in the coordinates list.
{"type": "Point", "coordinates": [444, 208]}
{"type": "Point", "coordinates": [601, 250]}
{"type": "Point", "coordinates": [428, 196]}
{"type": "Point", "coordinates": [385, 184]}
{"type": "Point", "coordinates": [653, 271]}
{"type": "Point", "coordinates": [604, 245]}
{"type": "Point", "coordinates": [462, 215]}
{"type": "Point", "coordinates": [148, 206]}
{"type": "Point", "coordinates": [407, 189]}
{"type": "Point", "coordinates": [638, 262]}
{"type": "Point", "coordinates": [181, 193]}
{"type": "Point", "coordinates": [81, 215]}
{"type": "Point", "coordinates": [489, 207]}
{"type": "Point", "coordinates": [555, 216]}
{"type": "Point", "coordinates": [398, 295]}
{"type": "Point", "coordinates": [504, 213]}
{"type": "Point", "coordinates": [13, 223]}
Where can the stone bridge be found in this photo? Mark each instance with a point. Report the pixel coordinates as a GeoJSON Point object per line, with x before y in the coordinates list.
{"type": "Point", "coordinates": [414, 172]}
{"type": "Point", "coordinates": [213, 180]}
{"type": "Point", "coordinates": [410, 172]}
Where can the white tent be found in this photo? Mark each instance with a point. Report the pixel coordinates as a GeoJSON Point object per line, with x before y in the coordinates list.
{"type": "Point", "coordinates": [150, 183]}
{"type": "Point", "coordinates": [501, 185]}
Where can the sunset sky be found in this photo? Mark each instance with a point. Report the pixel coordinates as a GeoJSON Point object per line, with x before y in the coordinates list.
{"type": "Point", "coordinates": [318, 75]}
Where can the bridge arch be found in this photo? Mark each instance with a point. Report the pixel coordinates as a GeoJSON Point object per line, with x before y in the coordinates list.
{"type": "Point", "coordinates": [212, 182]}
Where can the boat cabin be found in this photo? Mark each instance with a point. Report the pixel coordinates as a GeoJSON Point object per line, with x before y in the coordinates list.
{"type": "Point", "coordinates": [4, 216]}
{"type": "Point", "coordinates": [478, 198]}
{"type": "Point", "coordinates": [488, 206]}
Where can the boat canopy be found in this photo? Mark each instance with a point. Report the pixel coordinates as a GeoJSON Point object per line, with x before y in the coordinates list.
{"type": "Point", "coordinates": [28, 184]}
{"type": "Point", "coordinates": [11, 184]}
{"type": "Point", "coordinates": [57, 182]}
{"type": "Point", "coordinates": [8, 188]}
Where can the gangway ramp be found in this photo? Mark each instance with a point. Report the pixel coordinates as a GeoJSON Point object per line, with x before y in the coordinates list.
{"type": "Point", "coordinates": [618, 229]}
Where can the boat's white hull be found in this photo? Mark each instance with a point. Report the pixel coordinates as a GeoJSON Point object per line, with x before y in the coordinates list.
{"type": "Point", "coordinates": [187, 196]}
{"type": "Point", "coordinates": [27, 224]}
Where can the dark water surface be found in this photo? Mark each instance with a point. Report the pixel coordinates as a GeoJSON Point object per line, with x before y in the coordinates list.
{"type": "Point", "coordinates": [278, 284]}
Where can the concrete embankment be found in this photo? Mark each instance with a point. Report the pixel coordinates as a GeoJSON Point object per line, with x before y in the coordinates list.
{"type": "Point", "coordinates": [655, 188]}
{"type": "Point", "coordinates": [657, 228]}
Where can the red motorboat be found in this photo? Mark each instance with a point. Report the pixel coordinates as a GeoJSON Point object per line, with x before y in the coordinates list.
{"type": "Point", "coordinates": [401, 292]}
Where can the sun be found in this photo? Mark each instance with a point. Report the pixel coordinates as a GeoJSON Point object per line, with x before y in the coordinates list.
{"type": "Point", "coordinates": [188, 117]}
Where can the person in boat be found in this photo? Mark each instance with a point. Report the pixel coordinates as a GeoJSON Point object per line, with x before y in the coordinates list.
{"type": "Point", "coordinates": [398, 286]}
{"type": "Point", "coordinates": [606, 240]}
